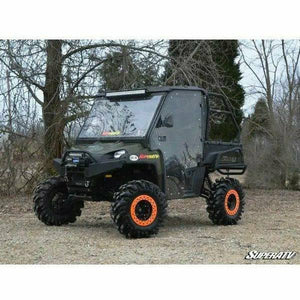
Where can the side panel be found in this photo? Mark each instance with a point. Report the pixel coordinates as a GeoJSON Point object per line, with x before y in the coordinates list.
{"type": "Point", "coordinates": [227, 158]}
{"type": "Point", "coordinates": [181, 141]}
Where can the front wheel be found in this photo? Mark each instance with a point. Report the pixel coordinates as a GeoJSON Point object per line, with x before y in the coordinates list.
{"type": "Point", "coordinates": [139, 209]}
{"type": "Point", "coordinates": [226, 204]}
{"type": "Point", "coordinates": [51, 203]}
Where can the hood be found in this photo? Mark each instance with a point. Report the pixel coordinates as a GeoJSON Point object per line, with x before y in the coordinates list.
{"type": "Point", "coordinates": [100, 148]}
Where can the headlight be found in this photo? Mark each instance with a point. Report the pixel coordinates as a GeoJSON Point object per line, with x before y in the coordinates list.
{"type": "Point", "coordinates": [119, 153]}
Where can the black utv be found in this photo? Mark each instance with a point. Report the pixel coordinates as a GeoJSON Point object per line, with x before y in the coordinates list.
{"type": "Point", "coordinates": [140, 148]}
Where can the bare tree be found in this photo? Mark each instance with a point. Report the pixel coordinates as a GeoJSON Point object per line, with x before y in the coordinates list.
{"type": "Point", "coordinates": [275, 65]}
{"type": "Point", "coordinates": [61, 77]}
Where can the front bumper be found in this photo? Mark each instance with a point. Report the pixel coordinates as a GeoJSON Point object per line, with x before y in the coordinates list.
{"type": "Point", "coordinates": [89, 166]}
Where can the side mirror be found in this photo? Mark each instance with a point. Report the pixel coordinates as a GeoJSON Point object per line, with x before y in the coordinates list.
{"type": "Point", "coordinates": [168, 121]}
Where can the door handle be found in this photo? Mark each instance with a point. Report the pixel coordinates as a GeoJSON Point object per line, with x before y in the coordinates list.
{"type": "Point", "coordinates": [162, 138]}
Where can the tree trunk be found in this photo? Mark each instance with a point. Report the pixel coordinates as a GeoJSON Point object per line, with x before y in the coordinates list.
{"type": "Point", "coordinates": [52, 111]}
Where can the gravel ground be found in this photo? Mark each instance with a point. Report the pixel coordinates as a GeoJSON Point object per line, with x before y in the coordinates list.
{"type": "Point", "coordinates": [271, 223]}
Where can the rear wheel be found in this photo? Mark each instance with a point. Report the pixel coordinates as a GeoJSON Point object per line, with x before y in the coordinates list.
{"type": "Point", "coordinates": [226, 204]}
{"type": "Point", "coordinates": [139, 209]}
{"type": "Point", "coordinates": [51, 204]}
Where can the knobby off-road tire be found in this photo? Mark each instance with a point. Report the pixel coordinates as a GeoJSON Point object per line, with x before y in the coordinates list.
{"type": "Point", "coordinates": [226, 205]}
{"type": "Point", "coordinates": [139, 209]}
{"type": "Point", "coordinates": [51, 205]}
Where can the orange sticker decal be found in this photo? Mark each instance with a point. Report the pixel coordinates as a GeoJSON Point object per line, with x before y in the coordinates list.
{"type": "Point", "coordinates": [111, 133]}
{"type": "Point", "coordinates": [148, 156]}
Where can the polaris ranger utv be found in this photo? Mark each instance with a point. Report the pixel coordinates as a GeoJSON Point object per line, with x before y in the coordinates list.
{"type": "Point", "coordinates": [140, 148]}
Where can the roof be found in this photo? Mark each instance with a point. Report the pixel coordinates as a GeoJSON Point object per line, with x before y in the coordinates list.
{"type": "Point", "coordinates": [171, 88]}
{"type": "Point", "coordinates": [158, 89]}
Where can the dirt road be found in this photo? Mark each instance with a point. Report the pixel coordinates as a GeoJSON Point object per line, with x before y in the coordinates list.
{"type": "Point", "coordinates": [271, 223]}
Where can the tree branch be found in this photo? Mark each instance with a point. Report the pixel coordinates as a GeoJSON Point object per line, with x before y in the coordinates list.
{"type": "Point", "coordinates": [74, 117]}
{"type": "Point", "coordinates": [18, 68]}
{"type": "Point", "coordinates": [84, 75]}
{"type": "Point", "coordinates": [105, 45]}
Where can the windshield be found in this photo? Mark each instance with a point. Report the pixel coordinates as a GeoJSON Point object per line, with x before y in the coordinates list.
{"type": "Point", "coordinates": [121, 118]}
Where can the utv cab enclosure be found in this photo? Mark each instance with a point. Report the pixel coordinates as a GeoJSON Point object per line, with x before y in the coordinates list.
{"type": "Point", "coordinates": [140, 148]}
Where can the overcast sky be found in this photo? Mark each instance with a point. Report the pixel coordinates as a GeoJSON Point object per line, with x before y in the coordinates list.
{"type": "Point", "coordinates": [247, 81]}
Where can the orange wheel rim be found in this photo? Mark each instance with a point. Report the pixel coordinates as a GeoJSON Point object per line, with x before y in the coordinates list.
{"type": "Point", "coordinates": [231, 211]}
{"type": "Point", "coordinates": [153, 214]}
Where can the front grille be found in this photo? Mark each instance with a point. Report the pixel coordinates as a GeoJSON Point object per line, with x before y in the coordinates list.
{"type": "Point", "coordinates": [75, 176]}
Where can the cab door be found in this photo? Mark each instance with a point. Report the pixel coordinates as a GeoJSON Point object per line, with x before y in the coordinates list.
{"type": "Point", "coordinates": [179, 136]}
